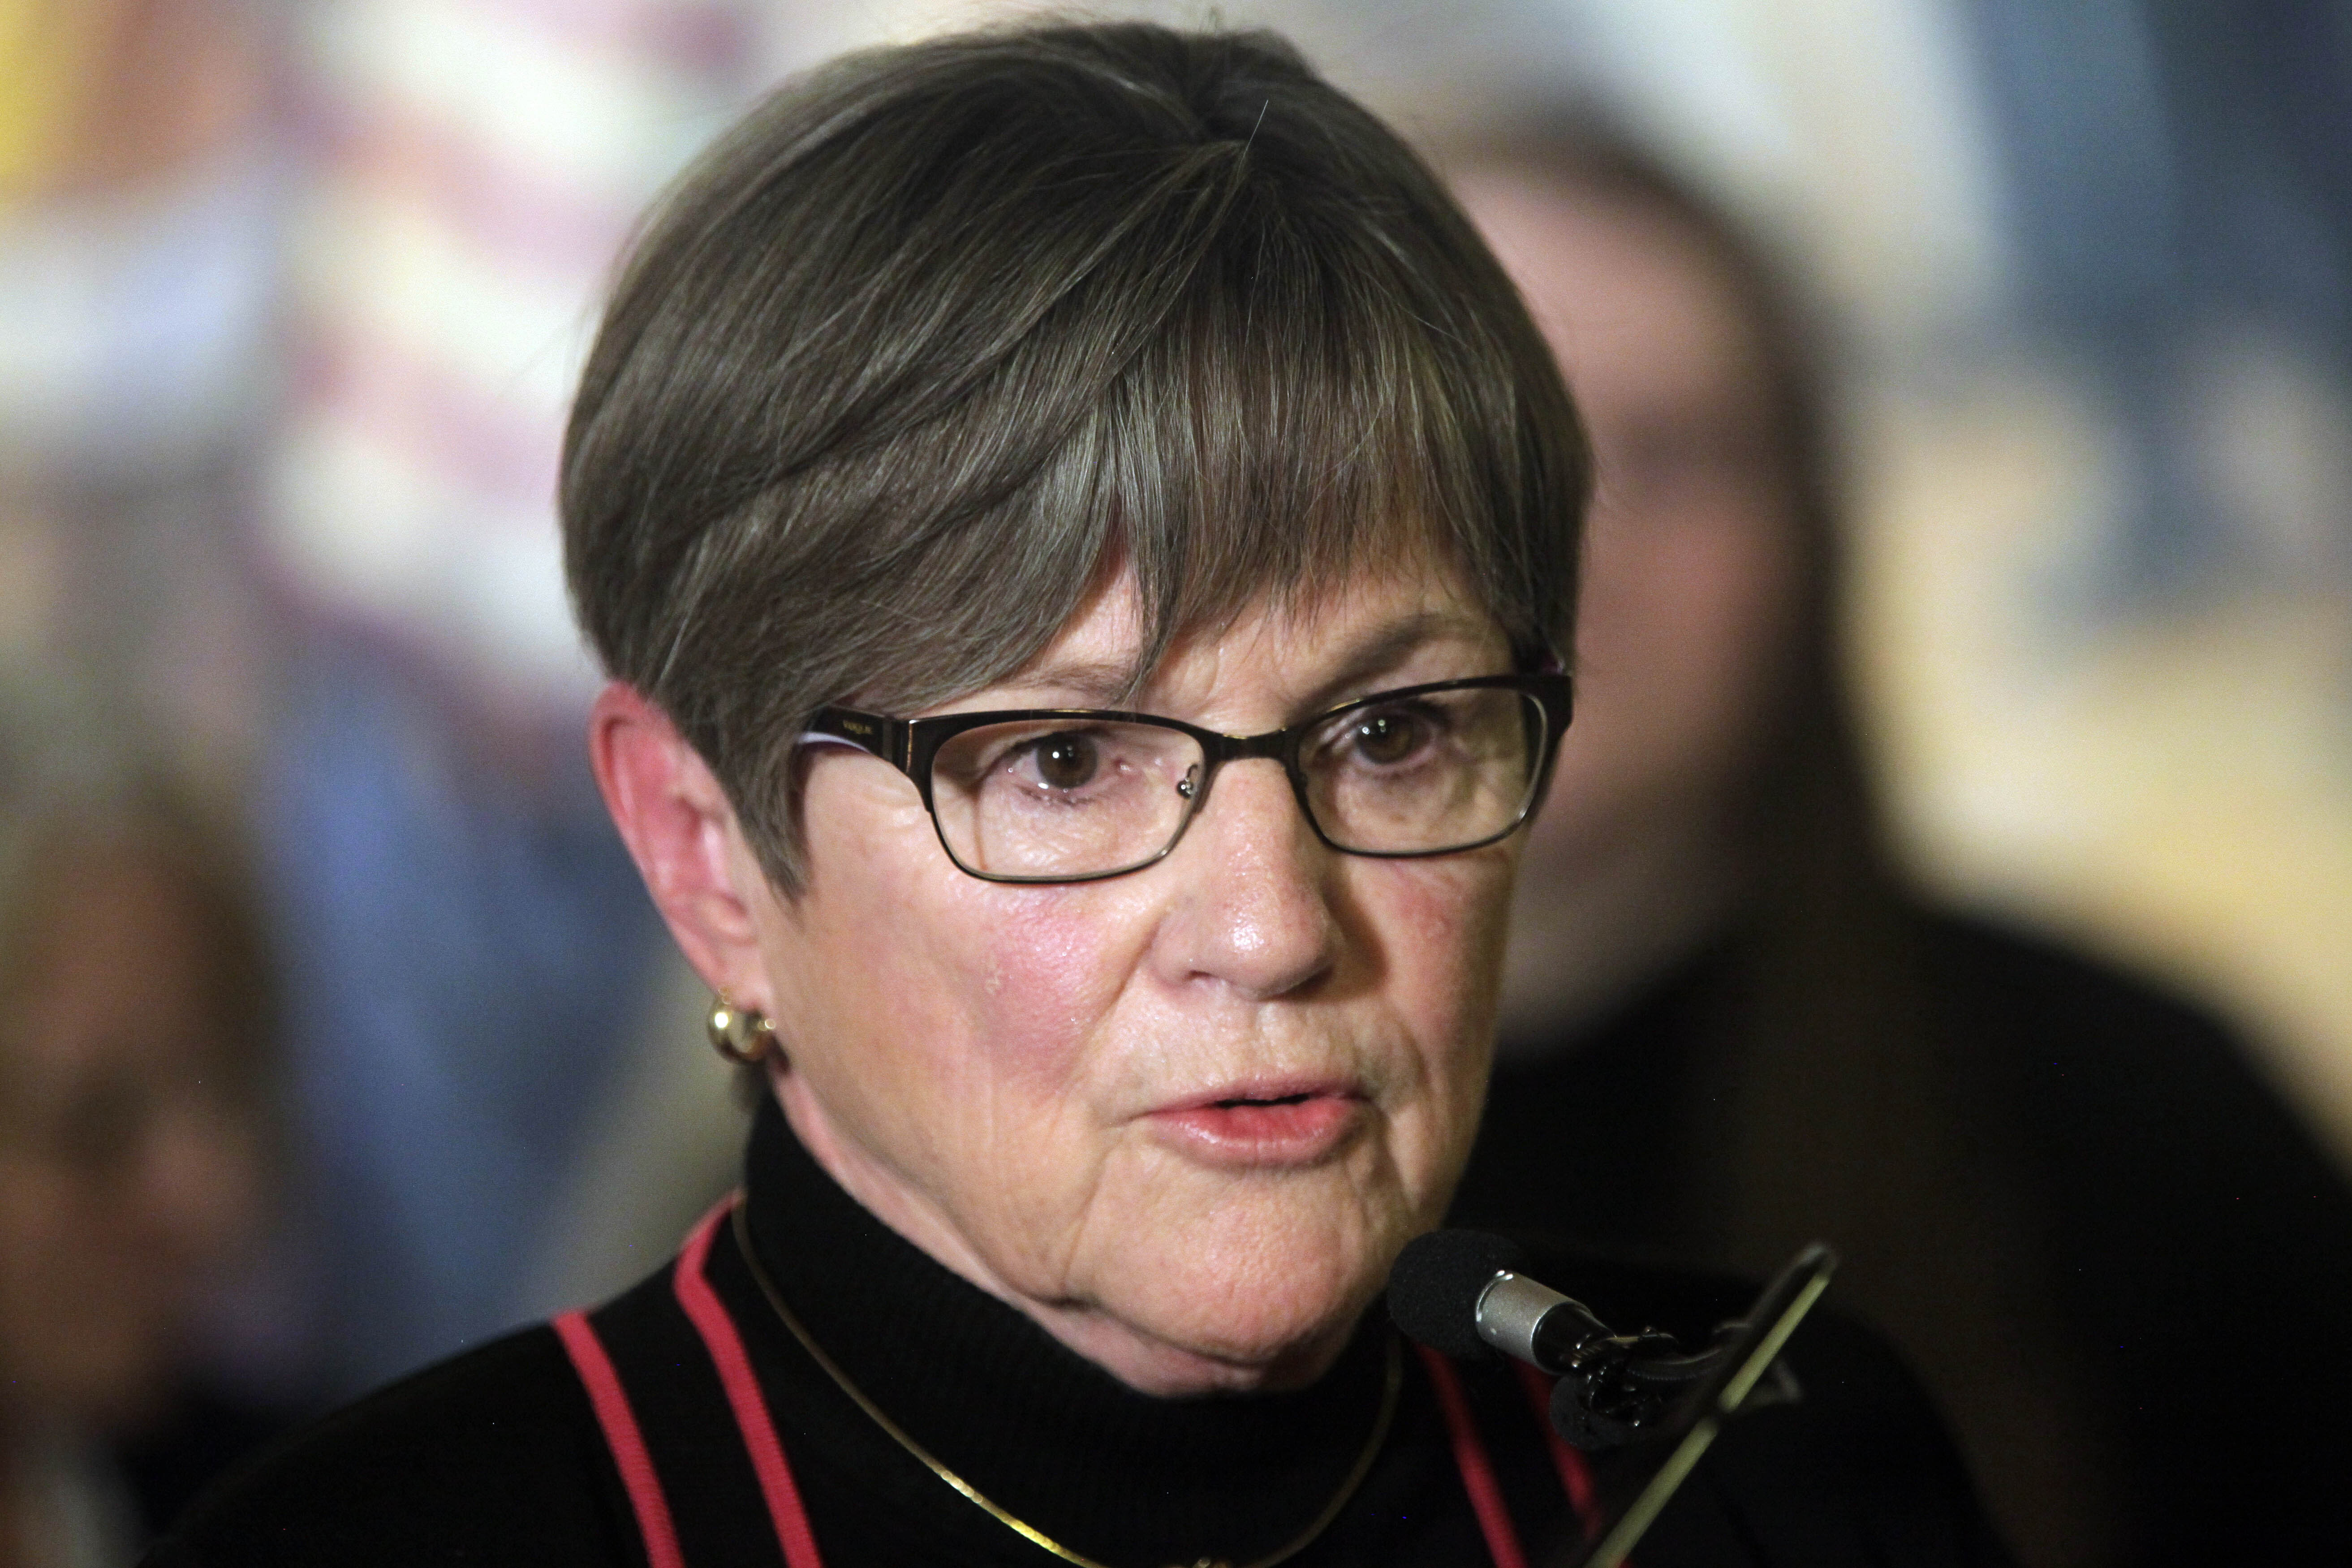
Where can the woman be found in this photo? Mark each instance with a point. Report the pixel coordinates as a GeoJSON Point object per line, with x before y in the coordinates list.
{"type": "Point", "coordinates": [1730, 1025]}
{"type": "Point", "coordinates": [134, 1026]}
{"type": "Point", "coordinates": [972, 404]}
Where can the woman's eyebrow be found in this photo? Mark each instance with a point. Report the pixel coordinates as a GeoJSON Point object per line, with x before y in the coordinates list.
{"type": "Point", "coordinates": [1091, 682]}
{"type": "Point", "coordinates": [1389, 647]}
{"type": "Point", "coordinates": [1110, 683]}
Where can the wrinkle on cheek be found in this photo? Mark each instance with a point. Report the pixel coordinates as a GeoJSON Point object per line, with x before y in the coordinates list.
{"type": "Point", "coordinates": [1442, 929]}
{"type": "Point", "coordinates": [1046, 970]}
{"type": "Point", "coordinates": [1068, 1257]}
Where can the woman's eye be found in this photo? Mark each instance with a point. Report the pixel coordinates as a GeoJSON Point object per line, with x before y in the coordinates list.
{"type": "Point", "coordinates": [1066, 762]}
{"type": "Point", "coordinates": [1389, 738]}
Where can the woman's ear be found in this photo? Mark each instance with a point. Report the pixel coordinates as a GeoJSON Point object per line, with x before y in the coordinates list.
{"type": "Point", "coordinates": [682, 832]}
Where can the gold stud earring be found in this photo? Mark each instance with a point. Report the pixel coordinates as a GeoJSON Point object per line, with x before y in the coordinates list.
{"type": "Point", "coordinates": [739, 1033]}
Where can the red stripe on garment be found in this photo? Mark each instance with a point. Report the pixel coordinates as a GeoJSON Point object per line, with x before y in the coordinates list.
{"type": "Point", "coordinates": [726, 1346]}
{"type": "Point", "coordinates": [622, 1435]}
{"type": "Point", "coordinates": [1575, 1472]}
{"type": "Point", "coordinates": [1470, 1458]}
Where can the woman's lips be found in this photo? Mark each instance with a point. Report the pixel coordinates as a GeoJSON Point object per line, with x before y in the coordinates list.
{"type": "Point", "coordinates": [1269, 1124]}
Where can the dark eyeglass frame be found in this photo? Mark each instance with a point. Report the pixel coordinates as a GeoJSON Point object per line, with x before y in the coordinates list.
{"type": "Point", "coordinates": [911, 745]}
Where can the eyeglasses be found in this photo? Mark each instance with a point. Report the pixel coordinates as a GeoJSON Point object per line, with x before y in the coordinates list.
{"type": "Point", "coordinates": [1075, 794]}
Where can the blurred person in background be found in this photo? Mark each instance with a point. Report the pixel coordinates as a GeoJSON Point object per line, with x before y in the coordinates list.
{"type": "Point", "coordinates": [135, 1019]}
{"type": "Point", "coordinates": [288, 303]}
{"type": "Point", "coordinates": [1729, 1025]}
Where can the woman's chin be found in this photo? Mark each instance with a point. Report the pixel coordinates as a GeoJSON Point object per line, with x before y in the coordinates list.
{"type": "Point", "coordinates": [1182, 1359]}
{"type": "Point", "coordinates": [1228, 1321]}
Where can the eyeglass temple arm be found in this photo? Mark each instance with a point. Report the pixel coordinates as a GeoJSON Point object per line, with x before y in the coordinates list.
{"type": "Point", "coordinates": [888, 739]}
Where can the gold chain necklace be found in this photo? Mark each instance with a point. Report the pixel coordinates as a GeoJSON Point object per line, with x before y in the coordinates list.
{"type": "Point", "coordinates": [1030, 1532]}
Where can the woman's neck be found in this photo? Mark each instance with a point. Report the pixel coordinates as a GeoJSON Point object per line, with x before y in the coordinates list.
{"type": "Point", "coordinates": [1049, 1435]}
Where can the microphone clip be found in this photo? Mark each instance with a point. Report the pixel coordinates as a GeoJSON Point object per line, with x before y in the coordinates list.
{"type": "Point", "coordinates": [1612, 1385]}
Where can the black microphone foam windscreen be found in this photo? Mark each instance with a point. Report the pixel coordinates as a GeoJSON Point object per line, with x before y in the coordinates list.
{"type": "Point", "coordinates": [1434, 1288]}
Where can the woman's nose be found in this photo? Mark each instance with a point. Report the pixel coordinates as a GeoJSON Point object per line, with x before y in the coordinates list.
{"type": "Point", "coordinates": [1253, 902]}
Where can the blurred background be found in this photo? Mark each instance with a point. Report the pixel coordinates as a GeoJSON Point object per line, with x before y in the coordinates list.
{"type": "Point", "coordinates": [291, 299]}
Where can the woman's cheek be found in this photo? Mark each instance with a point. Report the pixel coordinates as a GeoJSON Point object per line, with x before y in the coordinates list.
{"type": "Point", "coordinates": [1447, 923]}
{"type": "Point", "coordinates": [1048, 965]}
{"type": "Point", "coordinates": [1446, 958]}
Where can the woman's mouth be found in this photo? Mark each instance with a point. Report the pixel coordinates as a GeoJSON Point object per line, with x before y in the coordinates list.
{"type": "Point", "coordinates": [1273, 1124]}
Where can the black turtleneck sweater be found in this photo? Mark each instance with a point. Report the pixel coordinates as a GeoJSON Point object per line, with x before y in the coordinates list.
{"type": "Point", "coordinates": [496, 1457]}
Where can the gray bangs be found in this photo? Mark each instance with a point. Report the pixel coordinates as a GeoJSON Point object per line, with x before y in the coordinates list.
{"type": "Point", "coordinates": [1297, 416]}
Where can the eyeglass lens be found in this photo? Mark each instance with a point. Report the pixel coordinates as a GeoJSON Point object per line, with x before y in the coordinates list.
{"type": "Point", "coordinates": [1063, 797]}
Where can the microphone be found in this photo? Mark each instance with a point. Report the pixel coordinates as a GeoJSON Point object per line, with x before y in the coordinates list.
{"type": "Point", "coordinates": [1462, 1292]}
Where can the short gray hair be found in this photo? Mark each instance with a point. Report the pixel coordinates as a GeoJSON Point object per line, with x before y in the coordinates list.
{"type": "Point", "coordinates": [942, 337]}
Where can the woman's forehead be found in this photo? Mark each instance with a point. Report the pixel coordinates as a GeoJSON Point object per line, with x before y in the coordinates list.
{"type": "Point", "coordinates": [1368, 627]}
